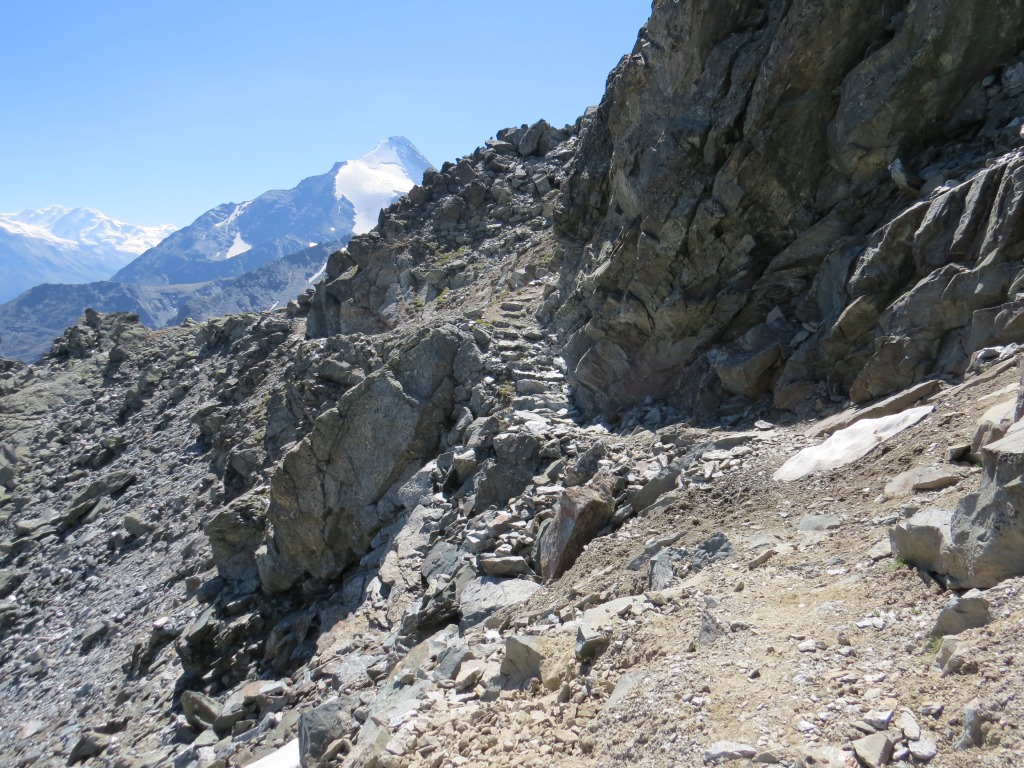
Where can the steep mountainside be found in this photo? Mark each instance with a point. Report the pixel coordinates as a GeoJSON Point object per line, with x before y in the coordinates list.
{"type": "Point", "coordinates": [67, 245]}
{"type": "Point", "coordinates": [580, 457]}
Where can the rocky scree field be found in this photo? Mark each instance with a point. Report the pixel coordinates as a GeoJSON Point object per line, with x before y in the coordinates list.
{"type": "Point", "coordinates": [683, 435]}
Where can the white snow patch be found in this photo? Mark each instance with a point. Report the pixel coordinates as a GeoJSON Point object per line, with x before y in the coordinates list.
{"type": "Point", "coordinates": [238, 247]}
{"type": "Point", "coordinates": [312, 245]}
{"type": "Point", "coordinates": [285, 757]}
{"type": "Point", "coordinates": [239, 210]}
{"type": "Point", "coordinates": [319, 274]}
{"type": "Point", "coordinates": [847, 445]}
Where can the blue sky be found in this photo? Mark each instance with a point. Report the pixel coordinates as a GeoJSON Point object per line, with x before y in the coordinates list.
{"type": "Point", "coordinates": [154, 112]}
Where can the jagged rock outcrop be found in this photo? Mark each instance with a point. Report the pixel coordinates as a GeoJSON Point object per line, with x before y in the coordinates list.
{"type": "Point", "coordinates": [730, 179]}
{"type": "Point", "coordinates": [453, 231]}
{"type": "Point", "coordinates": [328, 497]}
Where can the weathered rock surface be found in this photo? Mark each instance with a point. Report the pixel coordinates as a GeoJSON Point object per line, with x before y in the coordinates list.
{"type": "Point", "coordinates": [327, 500]}
{"type": "Point", "coordinates": [924, 539]}
{"type": "Point", "coordinates": [702, 228]}
{"type": "Point", "coordinates": [582, 513]}
{"type": "Point", "coordinates": [987, 531]}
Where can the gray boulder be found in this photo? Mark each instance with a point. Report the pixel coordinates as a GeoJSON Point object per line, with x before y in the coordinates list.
{"type": "Point", "coordinates": [321, 726]}
{"type": "Point", "coordinates": [962, 613]}
{"type": "Point", "coordinates": [235, 533]}
{"type": "Point", "coordinates": [325, 498]}
{"type": "Point", "coordinates": [923, 540]}
{"type": "Point", "coordinates": [582, 513]}
{"type": "Point", "coordinates": [987, 528]}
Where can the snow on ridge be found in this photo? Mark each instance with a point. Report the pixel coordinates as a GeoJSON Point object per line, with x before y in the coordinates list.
{"type": "Point", "coordinates": [319, 273]}
{"type": "Point", "coordinates": [238, 211]}
{"type": "Point", "coordinates": [72, 227]}
{"type": "Point", "coordinates": [24, 229]}
{"type": "Point", "coordinates": [378, 178]}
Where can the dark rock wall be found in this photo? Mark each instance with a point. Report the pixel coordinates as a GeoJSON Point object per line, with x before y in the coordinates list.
{"type": "Point", "coordinates": [741, 151]}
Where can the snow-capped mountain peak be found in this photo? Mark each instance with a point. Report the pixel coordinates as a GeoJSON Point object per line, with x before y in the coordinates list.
{"type": "Point", "coordinates": [373, 181]}
{"type": "Point", "coordinates": [86, 226]}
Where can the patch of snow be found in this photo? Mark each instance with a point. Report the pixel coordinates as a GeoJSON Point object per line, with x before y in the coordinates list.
{"type": "Point", "coordinates": [285, 757]}
{"type": "Point", "coordinates": [312, 245]}
{"type": "Point", "coordinates": [238, 211]}
{"type": "Point", "coordinates": [238, 247]}
{"type": "Point", "coordinates": [848, 445]}
{"type": "Point", "coordinates": [319, 274]}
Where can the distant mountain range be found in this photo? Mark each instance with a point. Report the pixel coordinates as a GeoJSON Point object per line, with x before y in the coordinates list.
{"type": "Point", "coordinates": [67, 245]}
{"type": "Point", "coordinates": [230, 259]}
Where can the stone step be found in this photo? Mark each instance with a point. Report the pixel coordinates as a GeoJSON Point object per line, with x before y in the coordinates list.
{"type": "Point", "coordinates": [538, 374]}
{"type": "Point", "coordinates": [538, 387]}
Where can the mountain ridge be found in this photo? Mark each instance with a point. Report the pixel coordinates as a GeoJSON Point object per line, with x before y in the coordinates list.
{"type": "Point", "coordinates": [222, 256]}
{"type": "Point", "coordinates": [233, 238]}
{"type": "Point", "coordinates": [73, 245]}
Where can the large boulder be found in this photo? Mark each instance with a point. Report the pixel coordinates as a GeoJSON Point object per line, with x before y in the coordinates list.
{"type": "Point", "coordinates": [923, 540]}
{"type": "Point", "coordinates": [582, 512]}
{"type": "Point", "coordinates": [987, 528]}
{"type": "Point", "coordinates": [328, 496]}
{"type": "Point", "coordinates": [992, 426]}
{"type": "Point", "coordinates": [235, 533]}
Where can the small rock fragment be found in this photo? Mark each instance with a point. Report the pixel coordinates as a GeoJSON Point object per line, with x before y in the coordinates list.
{"type": "Point", "coordinates": [874, 750]}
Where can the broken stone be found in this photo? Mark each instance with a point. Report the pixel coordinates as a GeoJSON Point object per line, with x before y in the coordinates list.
{"type": "Point", "coordinates": [582, 513]}
{"type": "Point", "coordinates": [992, 426]}
{"type": "Point", "coordinates": [923, 750]}
{"type": "Point", "coordinates": [511, 565]}
{"type": "Point", "coordinates": [542, 658]}
{"type": "Point", "coordinates": [323, 725]}
{"type": "Point", "coordinates": [819, 523]}
{"type": "Point", "coordinates": [921, 479]}
{"type": "Point", "coordinates": [874, 750]}
{"type": "Point", "coordinates": [986, 530]}
{"type": "Point", "coordinates": [89, 744]}
{"type": "Point", "coordinates": [485, 595]}
{"type": "Point", "coordinates": [590, 641]}
{"type": "Point", "coordinates": [761, 559]}
{"type": "Point", "coordinates": [975, 717]}
{"type": "Point", "coordinates": [727, 751]}
{"type": "Point", "coordinates": [962, 613]}
{"type": "Point", "coordinates": [200, 710]}
{"type": "Point", "coordinates": [881, 550]}
{"type": "Point", "coordinates": [923, 540]}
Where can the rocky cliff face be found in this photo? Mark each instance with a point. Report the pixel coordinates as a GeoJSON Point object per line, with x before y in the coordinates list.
{"type": "Point", "coordinates": [526, 478]}
{"type": "Point", "coordinates": [740, 215]}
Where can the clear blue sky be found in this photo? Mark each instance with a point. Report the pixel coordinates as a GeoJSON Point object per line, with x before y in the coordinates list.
{"type": "Point", "coordinates": [155, 111]}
